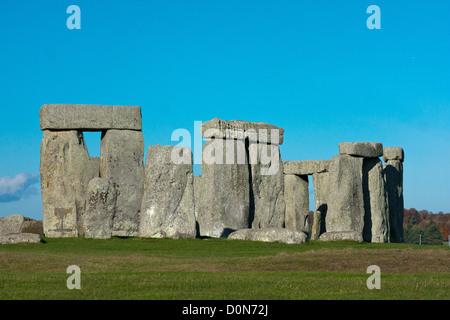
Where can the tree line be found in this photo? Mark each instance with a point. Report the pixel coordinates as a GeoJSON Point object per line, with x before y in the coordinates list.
{"type": "Point", "coordinates": [424, 227]}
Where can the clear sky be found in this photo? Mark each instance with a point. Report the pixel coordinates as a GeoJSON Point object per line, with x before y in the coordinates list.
{"type": "Point", "coordinates": [310, 67]}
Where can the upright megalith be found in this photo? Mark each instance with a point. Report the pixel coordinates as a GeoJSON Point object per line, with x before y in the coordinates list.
{"type": "Point", "coordinates": [121, 162]}
{"type": "Point", "coordinates": [321, 189]}
{"type": "Point", "coordinates": [223, 204]}
{"type": "Point", "coordinates": [393, 177]}
{"type": "Point", "coordinates": [345, 198]}
{"type": "Point", "coordinates": [242, 180]}
{"type": "Point", "coordinates": [95, 163]}
{"type": "Point", "coordinates": [65, 170]}
{"type": "Point", "coordinates": [267, 208]}
{"type": "Point", "coordinates": [100, 209]}
{"type": "Point", "coordinates": [376, 214]}
{"type": "Point", "coordinates": [297, 201]}
{"type": "Point", "coordinates": [168, 200]}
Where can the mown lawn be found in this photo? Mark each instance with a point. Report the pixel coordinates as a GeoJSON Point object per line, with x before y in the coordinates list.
{"type": "Point", "coordinates": [138, 268]}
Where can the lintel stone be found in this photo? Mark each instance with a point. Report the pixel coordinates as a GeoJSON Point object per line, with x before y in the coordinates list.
{"type": "Point", "coordinates": [361, 149]}
{"type": "Point", "coordinates": [306, 167]}
{"type": "Point", "coordinates": [89, 117]}
{"type": "Point", "coordinates": [237, 129]}
{"type": "Point", "coordinates": [393, 153]}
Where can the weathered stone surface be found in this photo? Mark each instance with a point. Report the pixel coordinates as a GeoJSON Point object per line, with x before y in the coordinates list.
{"type": "Point", "coordinates": [306, 167]}
{"type": "Point", "coordinates": [393, 176]}
{"type": "Point", "coordinates": [342, 235]}
{"type": "Point", "coordinates": [12, 223]}
{"type": "Point", "coordinates": [100, 209]}
{"type": "Point", "coordinates": [121, 162]}
{"type": "Point", "coordinates": [65, 173]}
{"type": "Point", "coordinates": [167, 209]}
{"type": "Point", "coordinates": [224, 201]}
{"type": "Point", "coordinates": [267, 204]}
{"type": "Point", "coordinates": [361, 149]}
{"type": "Point", "coordinates": [296, 196]}
{"type": "Point", "coordinates": [393, 153]}
{"type": "Point", "coordinates": [95, 163]}
{"type": "Point", "coordinates": [345, 198]}
{"type": "Point", "coordinates": [12, 238]}
{"type": "Point", "coordinates": [89, 117]}
{"type": "Point", "coordinates": [376, 216]}
{"type": "Point", "coordinates": [198, 195]}
{"type": "Point", "coordinates": [236, 129]}
{"type": "Point", "coordinates": [32, 226]}
{"type": "Point", "coordinates": [320, 182]}
{"type": "Point", "coordinates": [270, 235]}
{"type": "Point", "coordinates": [316, 226]}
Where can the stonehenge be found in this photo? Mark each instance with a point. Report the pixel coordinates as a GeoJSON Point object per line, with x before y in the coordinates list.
{"type": "Point", "coordinates": [16, 228]}
{"type": "Point", "coordinates": [245, 190]}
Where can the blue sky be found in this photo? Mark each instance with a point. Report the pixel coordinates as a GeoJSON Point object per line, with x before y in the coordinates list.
{"type": "Point", "coordinates": [310, 67]}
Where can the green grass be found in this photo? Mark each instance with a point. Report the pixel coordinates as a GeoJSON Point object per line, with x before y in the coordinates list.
{"type": "Point", "coordinates": [138, 268]}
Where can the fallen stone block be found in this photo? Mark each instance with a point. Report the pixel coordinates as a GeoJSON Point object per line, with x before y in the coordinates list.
{"type": "Point", "coordinates": [342, 235]}
{"type": "Point", "coordinates": [270, 235]}
{"type": "Point", "coordinates": [306, 167]}
{"type": "Point", "coordinates": [89, 117]}
{"type": "Point", "coordinates": [361, 149]}
{"type": "Point", "coordinates": [12, 238]}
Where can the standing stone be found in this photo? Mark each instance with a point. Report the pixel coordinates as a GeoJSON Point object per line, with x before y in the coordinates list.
{"type": "Point", "coordinates": [121, 162]}
{"type": "Point", "coordinates": [321, 189]}
{"type": "Point", "coordinates": [95, 163]}
{"type": "Point", "coordinates": [345, 198]}
{"type": "Point", "coordinates": [296, 196]}
{"type": "Point", "coordinates": [393, 175]}
{"type": "Point", "coordinates": [101, 206]}
{"type": "Point", "coordinates": [223, 204]}
{"type": "Point", "coordinates": [376, 217]}
{"type": "Point", "coordinates": [267, 186]}
{"type": "Point", "coordinates": [317, 222]}
{"type": "Point", "coordinates": [65, 173]}
{"type": "Point", "coordinates": [198, 195]}
{"type": "Point", "coordinates": [168, 202]}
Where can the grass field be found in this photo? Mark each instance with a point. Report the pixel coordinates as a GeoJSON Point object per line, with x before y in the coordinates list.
{"type": "Point", "coordinates": [136, 268]}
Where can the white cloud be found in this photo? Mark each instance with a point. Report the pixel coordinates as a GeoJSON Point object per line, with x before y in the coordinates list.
{"type": "Point", "coordinates": [17, 187]}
